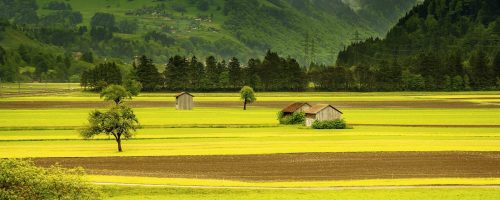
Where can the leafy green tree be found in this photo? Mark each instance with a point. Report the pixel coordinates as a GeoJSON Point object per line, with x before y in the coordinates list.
{"type": "Point", "coordinates": [128, 26]}
{"type": "Point", "coordinates": [247, 95]}
{"type": "Point", "coordinates": [133, 86]}
{"type": "Point", "coordinates": [116, 93]}
{"type": "Point", "coordinates": [100, 76]}
{"type": "Point", "coordinates": [88, 56]}
{"type": "Point", "coordinates": [100, 33]}
{"type": "Point", "coordinates": [105, 20]}
{"type": "Point", "coordinates": [21, 179]}
{"type": "Point", "coordinates": [120, 121]}
{"type": "Point", "coordinates": [203, 5]}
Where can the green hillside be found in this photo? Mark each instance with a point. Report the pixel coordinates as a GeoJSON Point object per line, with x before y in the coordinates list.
{"type": "Point", "coordinates": [438, 45]}
{"type": "Point", "coordinates": [94, 30]}
{"type": "Point", "coordinates": [236, 28]}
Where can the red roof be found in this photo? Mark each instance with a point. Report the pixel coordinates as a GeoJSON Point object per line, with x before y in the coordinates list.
{"type": "Point", "coordinates": [182, 93]}
{"type": "Point", "coordinates": [294, 107]}
{"type": "Point", "coordinates": [319, 107]}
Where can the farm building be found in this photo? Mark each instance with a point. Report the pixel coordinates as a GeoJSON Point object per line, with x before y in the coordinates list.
{"type": "Point", "coordinates": [295, 107]}
{"type": "Point", "coordinates": [184, 101]}
{"type": "Point", "coordinates": [322, 112]}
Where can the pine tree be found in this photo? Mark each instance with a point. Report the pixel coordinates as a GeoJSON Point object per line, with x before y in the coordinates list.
{"type": "Point", "coordinates": [496, 65]}
{"type": "Point", "coordinates": [234, 72]}
{"type": "Point", "coordinates": [481, 74]}
{"type": "Point", "coordinates": [147, 74]}
{"type": "Point", "coordinates": [211, 72]}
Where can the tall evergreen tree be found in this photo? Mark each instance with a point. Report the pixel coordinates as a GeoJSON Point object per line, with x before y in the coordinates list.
{"type": "Point", "coordinates": [176, 73]}
{"type": "Point", "coordinates": [196, 74]}
{"type": "Point", "coordinates": [251, 73]}
{"type": "Point", "coordinates": [147, 74]}
{"type": "Point", "coordinates": [481, 74]}
{"type": "Point", "coordinates": [234, 72]}
{"type": "Point", "coordinates": [496, 65]}
{"type": "Point", "coordinates": [211, 72]}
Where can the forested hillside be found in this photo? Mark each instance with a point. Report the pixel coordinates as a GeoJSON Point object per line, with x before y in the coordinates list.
{"type": "Point", "coordinates": [438, 45]}
{"type": "Point", "coordinates": [36, 35]}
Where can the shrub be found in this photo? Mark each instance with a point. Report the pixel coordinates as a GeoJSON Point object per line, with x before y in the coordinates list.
{"type": "Point", "coordinates": [330, 124]}
{"type": "Point", "coordinates": [295, 118]}
{"type": "Point", "coordinates": [21, 179]}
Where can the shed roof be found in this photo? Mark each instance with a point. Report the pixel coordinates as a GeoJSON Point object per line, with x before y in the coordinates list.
{"type": "Point", "coordinates": [183, 93]}
{"type": "Point", "coordinates": [294, 107]}
{"type": "Point", "coordinates": [319, 107]}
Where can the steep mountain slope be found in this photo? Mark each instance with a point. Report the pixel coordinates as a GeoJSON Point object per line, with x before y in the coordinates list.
{"type": "Point", "coordinates": [308, 30]}
{"type": "Point", "coordinates": [245, 28]}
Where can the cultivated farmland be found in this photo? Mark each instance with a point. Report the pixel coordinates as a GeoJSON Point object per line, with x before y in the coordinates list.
{"type": "Point", "coordinates": [395, 140]}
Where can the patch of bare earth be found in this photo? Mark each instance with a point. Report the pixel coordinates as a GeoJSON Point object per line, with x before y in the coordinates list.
{"type": "Point", "coordinates": [295, 167]}
{"type": "Point", "coordinates": [235, 104]}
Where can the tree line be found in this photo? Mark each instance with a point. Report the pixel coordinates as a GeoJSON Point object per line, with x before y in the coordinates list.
{"type": "Point", "coordinates": [273, 73]}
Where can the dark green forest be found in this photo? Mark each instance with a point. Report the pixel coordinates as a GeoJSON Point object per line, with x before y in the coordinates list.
{"type": "Point", "coordinates": [272, 45]}
{"type": "Point", "coordinates": [438, 45]}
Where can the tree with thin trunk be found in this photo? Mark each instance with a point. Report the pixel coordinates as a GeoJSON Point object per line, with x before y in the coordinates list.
{"type": "Point", "coordinates": [247, 95]}
{"type": "Point", "coordinates": [120, 122]}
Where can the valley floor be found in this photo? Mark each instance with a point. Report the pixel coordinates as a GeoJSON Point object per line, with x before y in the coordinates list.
{"type": "Point", "coordinates": [219, 151]}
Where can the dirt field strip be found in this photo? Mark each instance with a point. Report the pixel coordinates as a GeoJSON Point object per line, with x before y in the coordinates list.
{"type": "Point", "coordinates": [296, 167]}
{"type": "Point", "coordinates": [236, 104]}
{"type": "Point", "coordinates": [306, 188]}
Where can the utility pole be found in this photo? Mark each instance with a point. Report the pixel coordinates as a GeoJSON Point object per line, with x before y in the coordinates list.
{"type": "Point", "coordinates": [356, 39]}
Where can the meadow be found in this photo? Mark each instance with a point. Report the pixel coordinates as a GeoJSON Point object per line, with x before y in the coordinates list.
{"type": "Point", "coordinates": [51, 132]}
{"type": "Point", "coordinates": [129, 193]}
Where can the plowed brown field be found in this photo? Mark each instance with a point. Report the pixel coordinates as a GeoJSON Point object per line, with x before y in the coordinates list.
{"type": "Point", "coordinates": [295, 167]}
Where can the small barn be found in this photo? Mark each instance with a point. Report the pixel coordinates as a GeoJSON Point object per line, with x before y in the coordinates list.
{"type": "Point", "coordinates": [322, 112]}
{"type": "Point", "coordinates": [184, 101]}
{"type": "Point", "coordinates": [295, 107]}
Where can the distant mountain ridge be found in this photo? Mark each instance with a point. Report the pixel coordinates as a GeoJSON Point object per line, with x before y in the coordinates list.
{"type": "Point", "coordinates": [307, 30]}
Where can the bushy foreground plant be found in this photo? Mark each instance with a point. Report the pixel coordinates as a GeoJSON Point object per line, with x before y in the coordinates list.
{"type": "Point", "coordinates": [330, 124]}
{"type": "Point", "coordinates": [21, 179]}
{"type": "Point", "coordinates": [295, 118]}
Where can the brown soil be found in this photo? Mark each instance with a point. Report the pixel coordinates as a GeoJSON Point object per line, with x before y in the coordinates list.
{"type": "Point", "coordinates": [295, 167]}
{"type": "Point", "coordinates": [264, 104]}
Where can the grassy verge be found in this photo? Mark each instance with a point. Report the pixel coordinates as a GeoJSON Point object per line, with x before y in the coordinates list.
{"type": "Point", "coordinates": [312, 184]}
{"type": "Point", "coordinates": [132, 193]}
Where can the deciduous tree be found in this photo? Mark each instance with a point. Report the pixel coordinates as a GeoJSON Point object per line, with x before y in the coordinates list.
{"type": "Point", "coordinates": [247, 95]}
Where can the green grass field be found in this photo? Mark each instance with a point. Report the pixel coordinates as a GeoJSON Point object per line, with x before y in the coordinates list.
{"type": "Point", "coordinates": [50, 132]}
{"type": "Point", "coordinates": [129, 193]}
{"type": "Point", "coordinates": [257, 116]}
{"type": "Point", "coordinates": [223, 141]}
